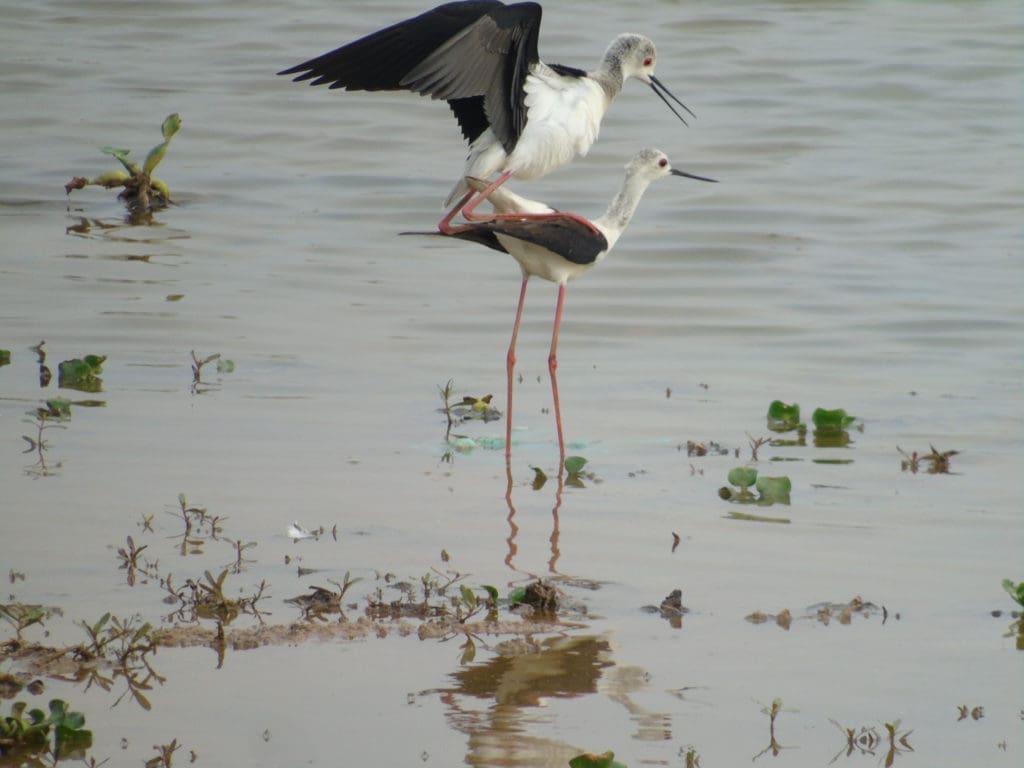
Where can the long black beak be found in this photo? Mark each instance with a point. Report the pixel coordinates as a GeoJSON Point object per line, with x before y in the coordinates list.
{"type": "Point", "coordinates": [662, 91]}
{"type": "Point", "coordinates": [676, 172]}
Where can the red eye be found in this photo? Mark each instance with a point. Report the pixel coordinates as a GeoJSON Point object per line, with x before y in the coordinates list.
{"type": "Point", "coordinates": [648, 61]}
{"type": "Point", "coordinates": [663, 162]}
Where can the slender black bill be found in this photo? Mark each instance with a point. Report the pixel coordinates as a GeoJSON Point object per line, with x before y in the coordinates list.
{"type": "Point", "coordinates": [675, 172]}
{"type": "Point", "coordinates": [659, 88]}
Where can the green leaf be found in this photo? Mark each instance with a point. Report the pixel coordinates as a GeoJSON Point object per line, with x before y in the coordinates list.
{"type": "Point", "coordinates": [774, 489]}
{"type": "Point", "coordinates": [59, 407]}
{"type": "Point", "coordinates": [492, 591]}
{"type": "Point", "coordinates": [516, 596]}
{"type": "Point", "coordinates": [73, 720]}
{"type": "Point", "coordinates": [81, 373]}
{"type": "Point", "coordinates": [225, 366]}
{"type": "Point", "coordinates": [783, 417]}
{"type": "Point", "coordinates": [58, 708]}
{"type": "Point", "coordinates": [742, 477]}
{"type": "Point", "coordinates": [99, 624]}
{"type": "Point", "coordinates": [539, 478]}
{"type": "Point", "coordinates": [574, 464]}
{"type": "Point", "coordinates": [468, 596]}
{"type": "Point", "coordinates": [161, 187]}
{"type": "Point", "coordinates": [1016, 591]}
{"type": "Point", "coordinates": [153, 158]}
{"type": "Point", "coordinates": [5, 357]}
{"type": "Point", "coordinates": [95, 362]}
{"type": "Point", "coordinates": [110, 179]}
{"type": "Point", "coordinates": [122, 157]}
{"type": "Point", "coordinates": [835, 420]}
{"type": "Point", "coordinates": [171, 125]}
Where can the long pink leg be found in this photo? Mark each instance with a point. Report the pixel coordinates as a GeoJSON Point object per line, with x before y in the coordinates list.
{"type": "Point", "coordinates": [510, 364]}
{"type": "Point", "coordinates": [553, 366]}
{"type": "Point", "coordinates": [445, 224]}
{"type": "Point", "coordinates": [468, 210]}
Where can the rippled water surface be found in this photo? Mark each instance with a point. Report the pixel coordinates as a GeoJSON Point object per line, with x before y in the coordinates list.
{"type": "Point", "coordinates": [862, 250]}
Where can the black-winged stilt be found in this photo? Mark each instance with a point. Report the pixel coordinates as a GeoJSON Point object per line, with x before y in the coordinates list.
{"type": "Point", "coordinates": [521, 117]}
{"type": "Point", "coordinates": [558, 247]}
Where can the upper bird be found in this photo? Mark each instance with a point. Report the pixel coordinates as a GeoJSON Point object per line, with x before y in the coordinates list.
{"type": "Point", "coordinates": [521, 117]}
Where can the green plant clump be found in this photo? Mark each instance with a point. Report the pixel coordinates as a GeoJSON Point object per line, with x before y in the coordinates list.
{"type": "Point", "coordinates": [31, 730]}
{"type": "Point", "coordinates": [771, 490]}
{"type": "Point", "coordinates": [141, 191]}
{"type": "Point", "coordinates": [1016, 591]}
{"type": "Point", "coordinates": [81, 373]}
{"type": "Point", "coordinates": [783, 417]}
{"type": "Point", "coordinates": [831, 422]}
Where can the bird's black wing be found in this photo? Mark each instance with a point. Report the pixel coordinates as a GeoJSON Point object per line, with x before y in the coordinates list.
{"type": "Point", "coordinates": [473, 235]}
{"type": "Point", "coordinates": [568, 237]}
{"type": "Point", "coordinates": [475, 54]}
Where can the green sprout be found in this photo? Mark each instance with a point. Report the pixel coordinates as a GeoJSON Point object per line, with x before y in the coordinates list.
{"type": "Point", "coordinates": [21, 616]}
{"type": "Point", "coordinates": [141, 191]}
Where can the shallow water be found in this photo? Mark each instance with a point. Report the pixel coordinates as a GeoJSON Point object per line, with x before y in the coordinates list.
{"type": "Point", "coordinates": [862, 250]}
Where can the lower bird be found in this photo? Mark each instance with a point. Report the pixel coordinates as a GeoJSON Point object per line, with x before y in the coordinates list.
{"type": "Point", "coordinates": [558, 247]}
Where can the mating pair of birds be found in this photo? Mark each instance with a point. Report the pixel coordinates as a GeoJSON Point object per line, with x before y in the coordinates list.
{"type": "Point", "coordinates": [522, 118]}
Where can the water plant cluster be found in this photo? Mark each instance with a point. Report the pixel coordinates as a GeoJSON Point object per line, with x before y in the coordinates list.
{"type": "Point", "coordinates": [140, 190]}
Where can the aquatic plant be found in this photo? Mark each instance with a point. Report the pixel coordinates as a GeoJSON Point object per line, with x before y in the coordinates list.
{"type": "Point", "coordinates": [831, 421]}
{"type": "Point", "coordinates": [771, 490]}
{"type": "Point", "coordinates": [81, 373]}
{"type": "Point", "coordinates": [140, 190]}
{"type": "Point", "coordinates": [21, 616]}
{"type": "Point", "coordinates": [223, 366]}
{"type": "Point", "coordinates": [30, 731]}
{"type": "Point", "coordinates": [574, 471]}
{"type": "Point", "coordinates": [783, 417]}
{"type": "Point", "coordinates": [772, 710]}
{"type": "Point", "coordinates": [1016, 591]}
{"type": "Point", "coordinates": [938, 462]}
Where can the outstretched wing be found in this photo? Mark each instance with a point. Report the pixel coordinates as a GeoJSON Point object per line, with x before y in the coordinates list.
{"type": "Point", "coordinates": [475, 55]}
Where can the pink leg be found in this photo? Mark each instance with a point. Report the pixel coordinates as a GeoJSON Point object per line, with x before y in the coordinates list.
{"type": "Point", "coordinates": [510, 364]}
{"type": "Point", "coordinates": [553, 367]}
{"type": "Point", "coordinates": [445, 224]}
{"type": "Point", "coordinates": [470, 214]}
{"type": "Point", "coordinates": [468, 211]}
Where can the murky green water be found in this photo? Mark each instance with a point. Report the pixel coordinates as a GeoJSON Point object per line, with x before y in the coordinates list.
{"type": "Point", "coordinates": [863, 250]}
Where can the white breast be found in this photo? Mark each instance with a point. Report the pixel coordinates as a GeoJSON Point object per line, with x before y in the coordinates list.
{"type": "Point", "coordinates": [563, 120]}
